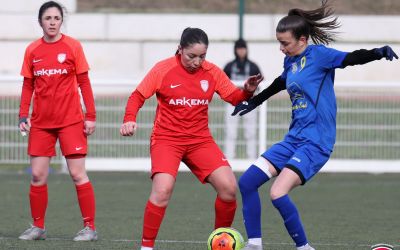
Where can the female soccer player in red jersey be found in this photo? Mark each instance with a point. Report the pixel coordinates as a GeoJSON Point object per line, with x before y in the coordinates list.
{"type": "Point", "coordinates": [54, 68]}
{"type": "Point", "coordinates": [184, 85]}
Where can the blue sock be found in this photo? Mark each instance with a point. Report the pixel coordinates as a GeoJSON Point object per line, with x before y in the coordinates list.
{"type": "Point", "coordinates": [291, 217]}
{"type": "Point", "coordinates": [249, 183]}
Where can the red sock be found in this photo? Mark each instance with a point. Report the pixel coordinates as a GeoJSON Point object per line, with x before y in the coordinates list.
{"type": "Point", "coordinates": [38, 198]}
{"type": "Point", "coordinates": [224, 212]}
{"type": "Point", "coordinates": [87, 203]}
{"type": "Point", "coordinates": [153, 216]}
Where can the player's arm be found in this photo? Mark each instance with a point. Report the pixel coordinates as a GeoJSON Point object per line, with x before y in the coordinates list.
{"type": "Point", "coordinates": [363, 56]}
{"type": "Point", "coordinates": [135, 102]}
{"type": "Point", "coordinates": [87, 94]}
{"type": "Point", "coordinates": [146, 88]}
{"type": "Point", "coordinates": [245, 107]}
{"type": "Point", "coordinates": [229, 92]}
{"type": "Point", "coordinates": [26, 97]}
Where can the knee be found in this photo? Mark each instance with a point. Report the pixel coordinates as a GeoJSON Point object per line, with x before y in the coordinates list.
{"type": "Point", "coordinates": [161, 196]}
{"type": "Point", "coordinates": [39, 177]}
{"type": "Point", "coordinates": [246, 185]}
{"type": "Point", "coordinates": [79, 177]}
{"type": "Point", "coordinates": [228, 192]}
{"type": "Point", "coordinates": [276, 193]}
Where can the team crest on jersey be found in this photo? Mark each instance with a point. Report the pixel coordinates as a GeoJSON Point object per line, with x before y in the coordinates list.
{"type": "Point", "coordinates": [204, 85]}
{"type": "Point", "coordinates": [294, 68]}
{"type": "Point", "coordinates": [61, 57]}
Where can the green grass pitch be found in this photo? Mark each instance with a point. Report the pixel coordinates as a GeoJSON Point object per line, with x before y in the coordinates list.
{"type": "Point", "coordinates": [339, 211]}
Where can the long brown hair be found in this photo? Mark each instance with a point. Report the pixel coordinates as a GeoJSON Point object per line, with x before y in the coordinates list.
{"type": "Point", "coordinates": [317, 24]}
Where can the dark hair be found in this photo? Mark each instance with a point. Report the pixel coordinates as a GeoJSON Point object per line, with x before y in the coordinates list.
{"type": "Point", "coordinates": [311, 23]}
{"type": "Point", "coordinates": [50, 4]}
{"type": "Point", "coordinates": [240, 43]}
{"type": "Point", "coordinates": [191, 36]}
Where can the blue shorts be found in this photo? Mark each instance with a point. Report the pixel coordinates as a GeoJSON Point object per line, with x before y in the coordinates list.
{"type": "Point", "coordinates": [305, 159]}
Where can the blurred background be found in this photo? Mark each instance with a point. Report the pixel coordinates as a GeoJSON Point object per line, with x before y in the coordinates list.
{"type": "Point", "coordinates": [122, 40]}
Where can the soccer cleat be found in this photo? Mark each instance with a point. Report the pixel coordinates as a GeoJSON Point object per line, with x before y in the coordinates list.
{"type": "Point", "coordinates": [33, 233]}
{"type": "Point", "coordinates": [86, 234]}
{"type": "Point", "coordinates": [252, 247]}
{"type": "Point", "coordinates": [306, 247]}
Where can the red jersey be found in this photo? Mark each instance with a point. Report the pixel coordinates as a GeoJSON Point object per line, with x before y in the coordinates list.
{"type": "Point", "coordinates": [53, 68]}
{"type": "Point", "coordinates": [183, 98]}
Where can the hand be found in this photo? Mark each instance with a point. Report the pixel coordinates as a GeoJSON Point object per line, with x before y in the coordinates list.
{"type": "Point", "coordinates": [24, 125]}
{"type": "Point", "coordinates": [252, 83]}
{"type": "Point", "coordinates": [386, 52]}
{"type": "Point", "coordinates": [128, 128]}
{"type": "Point", "coordinates": [90, 127]}
{"type": "Point", "coordinates": [244, 108]}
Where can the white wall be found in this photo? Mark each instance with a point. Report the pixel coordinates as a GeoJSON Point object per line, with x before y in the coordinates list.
{"type": "Point", "coordinates": [127, 45]}
{"type": "Point", "coordinates": [32, 6]}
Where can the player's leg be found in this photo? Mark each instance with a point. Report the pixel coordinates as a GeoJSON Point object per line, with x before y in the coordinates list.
{"type": "Point", "coordinates": [73, 144]}
{"type": "Point", "coordinates": [231, 131]}
{"type": "Point", "coordinates": [86, 197]}
{"type": "Point", "coordinates": [299, 169]}
{"type": "Point", "coordinates": [285, 182]}
{"type": "Point", "coordinates": [161, 192]}
{"type": "Point", "coordinates": [216, 171]}
{"type": "Point", "coordinates": [267, 166]}
{"type": "Point", "coordinates": [253, 178]}
{"type": "Point", "coordinates": [41, 146]}
{"type": "Point", "coordinates": [224, 182]}
{"type": "Point", "coordinates": [165, 159]}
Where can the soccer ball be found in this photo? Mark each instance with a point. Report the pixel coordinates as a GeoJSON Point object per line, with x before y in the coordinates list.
{"type": "Point", "coordinates": [225, 238]}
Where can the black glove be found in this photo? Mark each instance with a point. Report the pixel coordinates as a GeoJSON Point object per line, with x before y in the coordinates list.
{"type": "Point", "coordinates": [244, 107]}
{"type": "Point", "coordinates": [386, 52]}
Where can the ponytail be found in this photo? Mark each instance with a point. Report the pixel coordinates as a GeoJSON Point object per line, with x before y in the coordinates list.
{"type": "Point", "coordinates": [317, 24]}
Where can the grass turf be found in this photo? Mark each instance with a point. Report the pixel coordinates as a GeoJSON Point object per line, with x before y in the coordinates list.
{"type": "Point", "coordinates": [339, 211]}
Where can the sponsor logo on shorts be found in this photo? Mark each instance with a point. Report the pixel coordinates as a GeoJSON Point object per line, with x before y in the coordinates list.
{"type": "Point", "coordinates": [296, 159]}
{"type": "Point", "coordinates": [78, 148]}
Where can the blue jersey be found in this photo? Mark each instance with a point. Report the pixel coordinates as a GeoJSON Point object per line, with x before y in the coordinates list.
{"type": "Point", "coordinates": [309, 82]}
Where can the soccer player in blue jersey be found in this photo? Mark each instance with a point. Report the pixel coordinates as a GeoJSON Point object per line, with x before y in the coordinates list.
{"type": "Point", "coordinates": [308, 76]}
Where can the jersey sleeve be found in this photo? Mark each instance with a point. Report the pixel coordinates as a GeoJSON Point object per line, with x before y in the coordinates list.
{"type": "Point", "coordinates": [329, 58]}
{"type": "Point", "coordinates": [87, 95]}
{"type": "Point", "coordinates": [226, 89]}
{"type": "Point", "coordinates": [151, 82]}
{"type": "Point", "coordinates": [26, 97]}
{"type": "Point", "coordinates": [223, 85]}
{"type": "Point", "coordinates": [26, 70]}
{"type": "Point", "coordinates": [135, 102]}
{"type": "Point", "coordinates": [81, 64]}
